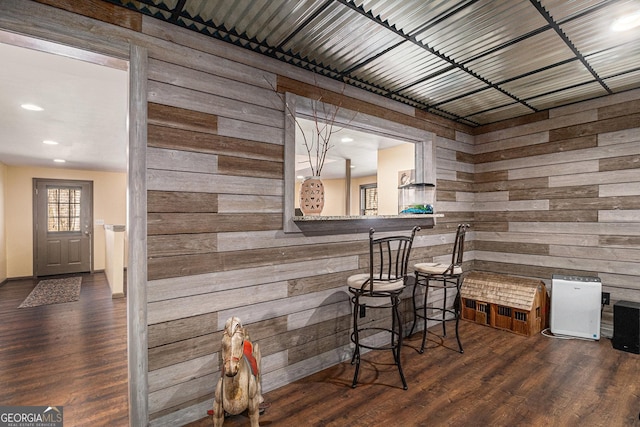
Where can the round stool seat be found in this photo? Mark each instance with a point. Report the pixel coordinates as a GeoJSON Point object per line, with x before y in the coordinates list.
{"type": "Point", "coordinates": [361, 282]}
{"type": "Point", "coordinates": [436, 268]}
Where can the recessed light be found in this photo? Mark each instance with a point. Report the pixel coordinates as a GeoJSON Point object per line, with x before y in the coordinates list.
{"type": "Point", "coordinates": [49, 142]}
{"type": "Point", "coordinates": [32, 107]}
{"type": "Point", "coordinates": [300, 177]}
{"type": "Point", "coordinates": [347, 139]}
{"type": "Point", "coordinates": [59, 160]}
{"type": "Point", "coordinates": [626, 22]}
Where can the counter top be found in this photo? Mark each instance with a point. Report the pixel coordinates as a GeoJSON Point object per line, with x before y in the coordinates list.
{"type": "Point", "coordinates": [417, 217]}
{"type": "Point", "coordinates": [324, 225]}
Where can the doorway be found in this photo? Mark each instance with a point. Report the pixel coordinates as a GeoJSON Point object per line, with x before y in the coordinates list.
{"type": "Point", "coordinates": [129, 57]}
{"type": "Point", "coordinates": [62, 226]}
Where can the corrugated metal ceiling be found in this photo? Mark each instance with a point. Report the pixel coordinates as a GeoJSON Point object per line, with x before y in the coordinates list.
{"type": "Point", "coordinates": [474, 61]}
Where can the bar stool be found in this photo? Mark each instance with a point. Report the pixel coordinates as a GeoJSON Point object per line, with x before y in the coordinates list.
{"type": "Point", "coordinates": [443, 277]}
{"type": "Point", "coordinates": [386, 279]}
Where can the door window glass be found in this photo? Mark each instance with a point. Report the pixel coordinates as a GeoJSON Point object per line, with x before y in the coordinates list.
{"type": "Point", "coordinates": [63, 209]}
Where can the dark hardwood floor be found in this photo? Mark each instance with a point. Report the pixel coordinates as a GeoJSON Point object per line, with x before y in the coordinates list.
{"type": "Point", "coordinates": [72, 354]}
{"type": "Point", "coordinates": [502, 379]}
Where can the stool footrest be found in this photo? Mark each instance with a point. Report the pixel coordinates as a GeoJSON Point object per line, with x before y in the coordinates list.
{"type": "Point", "coordinates": [439, 319]}
{"type": "Point", "coordinates": [394, 336]}
{"type": "Point", "coordinates": [437, 314]}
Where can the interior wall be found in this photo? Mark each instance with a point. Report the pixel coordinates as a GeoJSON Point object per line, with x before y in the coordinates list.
{"type": "Point", "coordinates": [215, 241]}
{"type": "Point", "coordinates": [355, 191]}
{"type": "Point", "coordinates": [3, 232]}
{"type": "Point", "coordinates": [561, 195]}
{"type": "Point", "coordinates": [334, 197]}
{"type": "Point", "coordinates": [390, 161]}
{"type": "Point", "coordinates": [109, 204]}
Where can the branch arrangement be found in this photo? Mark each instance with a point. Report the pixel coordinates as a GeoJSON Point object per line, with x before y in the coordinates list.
{"type": "Point", "coordinates": [324, 129]}
{"type": "Point", "coordinates": [324, 117]}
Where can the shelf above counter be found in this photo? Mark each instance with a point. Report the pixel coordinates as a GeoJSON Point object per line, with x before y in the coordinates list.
{"type": "Point", "coordinates": [325, 225]}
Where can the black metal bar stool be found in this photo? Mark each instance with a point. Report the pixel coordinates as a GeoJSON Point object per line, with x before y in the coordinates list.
{"type": "Point", "coordinates": [386, 279]}
{"type": "Point", "coordinates": [447, 277]}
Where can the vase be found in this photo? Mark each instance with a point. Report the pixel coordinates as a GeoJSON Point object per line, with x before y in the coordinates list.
{"type": "Point", "coordinates": [312, 196]}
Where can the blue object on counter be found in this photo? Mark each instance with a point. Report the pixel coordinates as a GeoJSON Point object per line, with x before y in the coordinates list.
{"type": "Point", "coordinates": [418, 209]}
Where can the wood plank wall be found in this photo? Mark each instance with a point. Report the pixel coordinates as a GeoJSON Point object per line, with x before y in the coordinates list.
{"type": "Point", "coordinates": [561, 195]}
{"type": "Point", "coordinates": [215, 241]}
{"type": "Point", "coordinates": [553, 193]}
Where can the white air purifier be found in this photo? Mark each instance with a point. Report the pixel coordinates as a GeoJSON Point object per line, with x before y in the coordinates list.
{"type": "Point", "coordinates": [575, 306]}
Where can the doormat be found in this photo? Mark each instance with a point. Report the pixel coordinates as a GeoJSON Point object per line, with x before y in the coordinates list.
{"type": "Point", "coordinates": [53, 291]}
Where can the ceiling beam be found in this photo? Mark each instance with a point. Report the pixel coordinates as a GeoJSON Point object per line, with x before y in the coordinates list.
{"type": "Point", "coordinates": [554, 25]}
